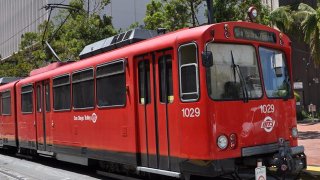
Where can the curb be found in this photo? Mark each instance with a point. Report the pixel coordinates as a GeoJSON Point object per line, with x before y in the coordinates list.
{"type": "Point", "coordinates": [315, 170]}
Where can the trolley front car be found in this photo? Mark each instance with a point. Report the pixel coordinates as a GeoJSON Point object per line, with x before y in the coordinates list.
{"type": "Point", "coordinates": [202, 101]}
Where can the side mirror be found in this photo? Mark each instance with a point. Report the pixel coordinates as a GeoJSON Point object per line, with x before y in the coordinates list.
{"type": "Point", "coordinates": [278, 71]}
{"type": "Point", "coordinates": [277, 64]}
{"type": "Point", "coordinates": [207, 59]}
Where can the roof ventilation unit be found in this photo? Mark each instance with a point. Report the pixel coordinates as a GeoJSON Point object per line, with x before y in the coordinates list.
{"type": "Point", "coordinates": [6, 80]}
{"type": "Point", "coordinates": [117, 41]}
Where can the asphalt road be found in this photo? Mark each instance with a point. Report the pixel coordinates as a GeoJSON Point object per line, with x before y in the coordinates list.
{"type": "Point", "coordinates": [12, 168]}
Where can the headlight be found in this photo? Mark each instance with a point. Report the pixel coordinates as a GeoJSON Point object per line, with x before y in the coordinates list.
{"type": "Point", "coordinates": [222, 142]}
{"type": "Point", "coordinates": [294, 132]}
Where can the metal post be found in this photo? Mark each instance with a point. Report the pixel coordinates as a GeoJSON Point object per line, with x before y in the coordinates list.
{"type": "Point", "coordinates": [210, 11]}
{"type": "Point", "coordinates": [88, 7]}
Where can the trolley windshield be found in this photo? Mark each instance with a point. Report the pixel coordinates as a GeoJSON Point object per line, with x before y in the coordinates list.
{"type": "Point", "coordinates": [275, 73]}
{"type": "Point", "coordinates": [234, 74]}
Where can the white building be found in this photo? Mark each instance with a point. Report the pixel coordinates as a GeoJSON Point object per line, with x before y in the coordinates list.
{"type": "Point", "coordinates": [16, 18]}
{"type": "Point", "coordinates": [272, 4]}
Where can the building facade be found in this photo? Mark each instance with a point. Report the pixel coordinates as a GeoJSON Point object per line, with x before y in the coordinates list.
{"type": "Point", "coordinates": [16, 18]}
{"type": "Point", "coordinates": [272, 4]}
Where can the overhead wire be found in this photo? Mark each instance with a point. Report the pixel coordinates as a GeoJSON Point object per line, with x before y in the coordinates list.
{"type": "Point", "coordinates": [23, 29]}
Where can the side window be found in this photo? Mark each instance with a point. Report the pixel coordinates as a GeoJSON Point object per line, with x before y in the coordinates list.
{"type": "Point", "coordinates": [38, 98]}
{"type": "Point", "coordinates": [144, 82]}
{"type": "Point", "coordinates": [83, 89]}
{"type": "Point", "coordinates": [165, 79]}
{"type": "Point", "coordinates": [188, 69]}
{"type": "Point", "coordinates": [111, 84]}
{"type": "Point", "coordinates": [27, 99]}
{"type": "Point", "coordinates": [6, 103]}
{"type": "Point", "coordinates": [61, 93]}
{"type": "Point", "coordinates": [47, 96]}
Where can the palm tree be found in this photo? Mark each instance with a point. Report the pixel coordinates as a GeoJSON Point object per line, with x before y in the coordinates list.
{"type": "Point", "coordinates": [310, 24]}
{"type": "Point", "coordinates": [282, 18]}
{"type": "Point", "coordinates": [303, 19]}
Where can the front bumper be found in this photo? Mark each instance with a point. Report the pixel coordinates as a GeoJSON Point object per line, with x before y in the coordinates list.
{"type": "Point", "coordinates": [288, 160]}
{"type": "Point", "coordinates": [261, 149]}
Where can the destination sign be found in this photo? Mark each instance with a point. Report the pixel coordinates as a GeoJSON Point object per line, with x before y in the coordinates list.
{"type": "Point", "coordinates": [254, 34]}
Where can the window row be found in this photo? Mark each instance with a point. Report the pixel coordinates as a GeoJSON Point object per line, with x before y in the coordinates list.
{"type": "Point", "coordinates": [110, 89]}
{"type": "Point", "coordinates": [111, 85]}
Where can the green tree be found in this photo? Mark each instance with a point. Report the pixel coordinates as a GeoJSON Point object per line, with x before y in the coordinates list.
{"type": "Point", "coordinates": [283, 19]}
{"type": "Point", "coordinates": [234, 10]}
{"type": "Point", "coordinates": [29, 57]}
{"type": "Point", "coordinates": [154, 15]}
{"type": "Point", "coordinates": [177, 14]}
{"type": "Point", "coordinates": [310, 25]}
{"type": "Point", "coordinates": [297, 19]}
{"type": "Point", "coordinates": [171, 14]}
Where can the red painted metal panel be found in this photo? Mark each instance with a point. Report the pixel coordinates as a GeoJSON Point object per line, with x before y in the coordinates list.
{"type": "Point", "coordinates": [8, 122]}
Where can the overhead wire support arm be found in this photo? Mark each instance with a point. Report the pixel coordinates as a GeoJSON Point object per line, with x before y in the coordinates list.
{"type": "Point", "coordinates": [210, 12]}
{"type": "Point", "coordinates": [56, 31]}
{"type": "Point", "coordinates": [45, 30]}
{"type": "Point", "coordinates": [61, 6]}
{"type": "Point", "coordinates": [53, 52]}
{"type": "Point", "coordinates": [50, 7]}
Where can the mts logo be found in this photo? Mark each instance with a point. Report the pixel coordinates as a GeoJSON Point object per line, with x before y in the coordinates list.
{"type": "Point", "coordinates": [268, 124]}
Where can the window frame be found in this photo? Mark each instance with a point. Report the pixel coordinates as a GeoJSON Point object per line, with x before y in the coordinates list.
{"type": "Point", "coordinates": [45, 97]}
{"type": "Point", "coordinates": [53, 94]}
{"type": "Point", "coordinates": [30, 84]}
{"type": "Point", "coordinates": [147, 86]}
{"type": "Point", "coordinates": [38, 104]}
{"type": "Point", "coordinates": [1, 110]}
{"type": "Point", "coordinates": [124, 63]}
{"type": "Point", "coordinates": [79, 81]}
{"type": "Point", "coordinates": [259, 66]}
{"type": "Point", "coordinates": [197, 73]}
{"type": "Point", "coordinates": [159, 80]}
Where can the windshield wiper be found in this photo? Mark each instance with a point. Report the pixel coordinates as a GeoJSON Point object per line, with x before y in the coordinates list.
{"type": "Point", "coordinates": [236, 68]}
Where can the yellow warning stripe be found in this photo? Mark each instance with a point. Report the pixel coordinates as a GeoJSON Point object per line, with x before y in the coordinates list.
{"type": "Point", "coordinates": [313, 168]}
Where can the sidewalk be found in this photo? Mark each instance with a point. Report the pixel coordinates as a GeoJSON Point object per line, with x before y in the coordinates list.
{"type": "Point", "coordinates": [309, 137]}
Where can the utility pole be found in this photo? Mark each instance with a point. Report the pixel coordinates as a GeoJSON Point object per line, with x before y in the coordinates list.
{"type": "Point", "coordinates": [88, 8]}
{"type": "Point", "coordinates": [210, 12]}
